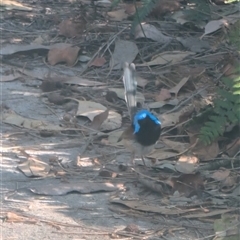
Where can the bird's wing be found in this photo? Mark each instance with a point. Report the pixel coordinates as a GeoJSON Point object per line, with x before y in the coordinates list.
{"type": "Point", "coordinates": [130, 85]}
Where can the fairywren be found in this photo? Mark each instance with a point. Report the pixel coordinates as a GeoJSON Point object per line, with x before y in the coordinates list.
{"type": "Point", "coordinates": [145, 127]}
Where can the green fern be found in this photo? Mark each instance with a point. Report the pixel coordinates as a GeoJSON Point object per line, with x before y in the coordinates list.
{"type": "Point", "coordinates": [226, 110]}
{"type": "Point", "coordinates": [142, 12]}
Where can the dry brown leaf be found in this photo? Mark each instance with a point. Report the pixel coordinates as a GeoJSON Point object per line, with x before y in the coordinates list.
{"type": "Point", "coordinates": [186, 164]}
{"type": "Point", "coordinates": [141, 82]}
{"type": "Point", "coordinates": [118, 15]}
{"type": "Point", "coordinates": [151, 32]}
{"type": "Point", "coordinates": [168, 120]}
{"type": "Point", "coordinates": [163, 95]}
{"type": "Point", "coordinates": [16, 217]}
{"type": "Point", "coordinates": [10, 77]}
{"type": "Point", "coordinates": [99, 119]}
{"type": "Point", "coordinates": [159, 104]}
{"type": "Point", "coordinates": [98, 62]}
{"type": "Point", "coordinates": [177, 146]}
{"type": "Point", "coordinates": [130, 8]}
{"type": "Point", "coordinates": [17, 120]}
{"type": "Point", "coordinates": [177, 88]}
{"type": "Point", "coordinates": [162, 154]}
{"type": "Point", "coordinates": [212, 213]}
{"type": "Point", "coordinates": [220, 175]}
{"type": "Point", "coordinates": [91, 109]}
{"type": "Point", "coordinates": [143, 207]}
{"type": "Point", "coordinates": [114, 121]}
{"type": "Point", "coordinates": [34, 168]}
{"type": "Point", "coordinates": [201, 150]}
{"type": "Point", "coordinates": [67, 55]}
{"type": "Point", "coordinates": [124, 51]}
{"type": "Point", "coordinates": [167, 58]}
{"type": "Point", "coordinates": [233, 147]}
{"type": "Point", "coordinates": [165, 6]}
{"type": "Point", "coordinates": [187, 184]}
{"type": "Point", "coordinates": [68, 28]}
{"type": "Point", "coordinates": [228, 183]}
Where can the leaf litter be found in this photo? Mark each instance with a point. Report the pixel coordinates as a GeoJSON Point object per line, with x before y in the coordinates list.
{"type": "Point", "coordinates": [177, 172]}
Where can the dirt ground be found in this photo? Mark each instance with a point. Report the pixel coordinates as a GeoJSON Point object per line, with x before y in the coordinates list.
{"type": "Point", "coordinates": [70, 184]}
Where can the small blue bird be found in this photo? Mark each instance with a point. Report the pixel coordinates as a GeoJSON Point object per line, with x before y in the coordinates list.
{"type": "Point", "coordinates": [145, 127]}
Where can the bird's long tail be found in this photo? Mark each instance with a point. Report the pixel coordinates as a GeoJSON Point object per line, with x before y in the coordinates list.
{"type": "Point", "coordinates": [130, 85]}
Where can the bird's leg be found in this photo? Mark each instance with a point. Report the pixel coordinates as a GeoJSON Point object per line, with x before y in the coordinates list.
{"type": "Point", "coordinates": [143, 161]}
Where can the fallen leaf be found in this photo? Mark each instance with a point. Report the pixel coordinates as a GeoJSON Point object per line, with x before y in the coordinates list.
{"type": "Point", "coordinates": [201, 150]}
{"type": "Point", "coordinates": [17, 120]}
{"type": "Point", "coordinates": [69, 28]}
{"type": "Point", "coordinates": [14, 5]}
{"type": "Point", "coordinates": [13, 48]}
{"type": "Point", "coordinates": [90, 109]}
{"type": "Point", "coordinates": [162, 7]}
{"type": "Point", "coordinates": [187, 184]}
{"type": "Point", "coordinates": [177, 88]}
{"type": "Point", "coordinates": [34, 168]}
{"type": "Point", "coordinates": [194, 44]}
{"type": "Point", "coordinates": [186, 164]}
{"type": "Point", "coordinates": [143, 207]}
{"type": "Point", "coordinates": [163, 95]}
{"type": "Point", "coordinates": [177, 146]}
{"type": "Point", "coordinates": [167, 57]}
{"type": "Point", "coordinates": [84, 58]}
{"type": "Point", "coordinates": [81, 81]}
{"type": "Point", "coordinates": [180, 17]}
{"type": "Point", "coordinates": [220, 175]}
{"type": "Point", "coordinates": [141, 82]}
{"type": "Point", "coordinates": [124, 51]}
{"type": "Point", "coordinates": [130, 9]}
{"type": "Point", "coordinates": [67, 55]}
{"type": "Point", "coordinates": [121, 94]}
{"type": "Point", "coordinates": [159, 104]}
{"type": "Point", "coordinates": [233, 147]}
{"type": "Point", "coordinates": [113, 138]}
{"type": "Point", "coordinates": [114, 121]}
{"type": "Point", "coordinates": [57, 189]}
{"type": "Point", "coordinates": [10, 77]}
{"type": "Point", "coordinates": [118, 15]}
{"type": "Point", "coordinates": [162, 154]}
{"type": "Point", "coordinates": [98, 62]}
{"type": "Point", "coordinates": [16, 217]}
{"type": "Point", "coordinates": [214, 25]}
{"type": "Point", "coordinates": [151, 32]}
{"type": "Point", "coordinates": [99, 119]}
{"type": "Point", "coordinates": [170, 119]}
{"type": "Point", "coordinates": [212, 213]}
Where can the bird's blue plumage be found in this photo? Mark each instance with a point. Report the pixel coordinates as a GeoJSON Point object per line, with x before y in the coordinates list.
{"type": "Point", "coordinates": [142, 114]}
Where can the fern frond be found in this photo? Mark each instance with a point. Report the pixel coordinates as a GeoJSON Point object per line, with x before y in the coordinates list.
{"type": "Point", "coordinates": [226, 110]}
